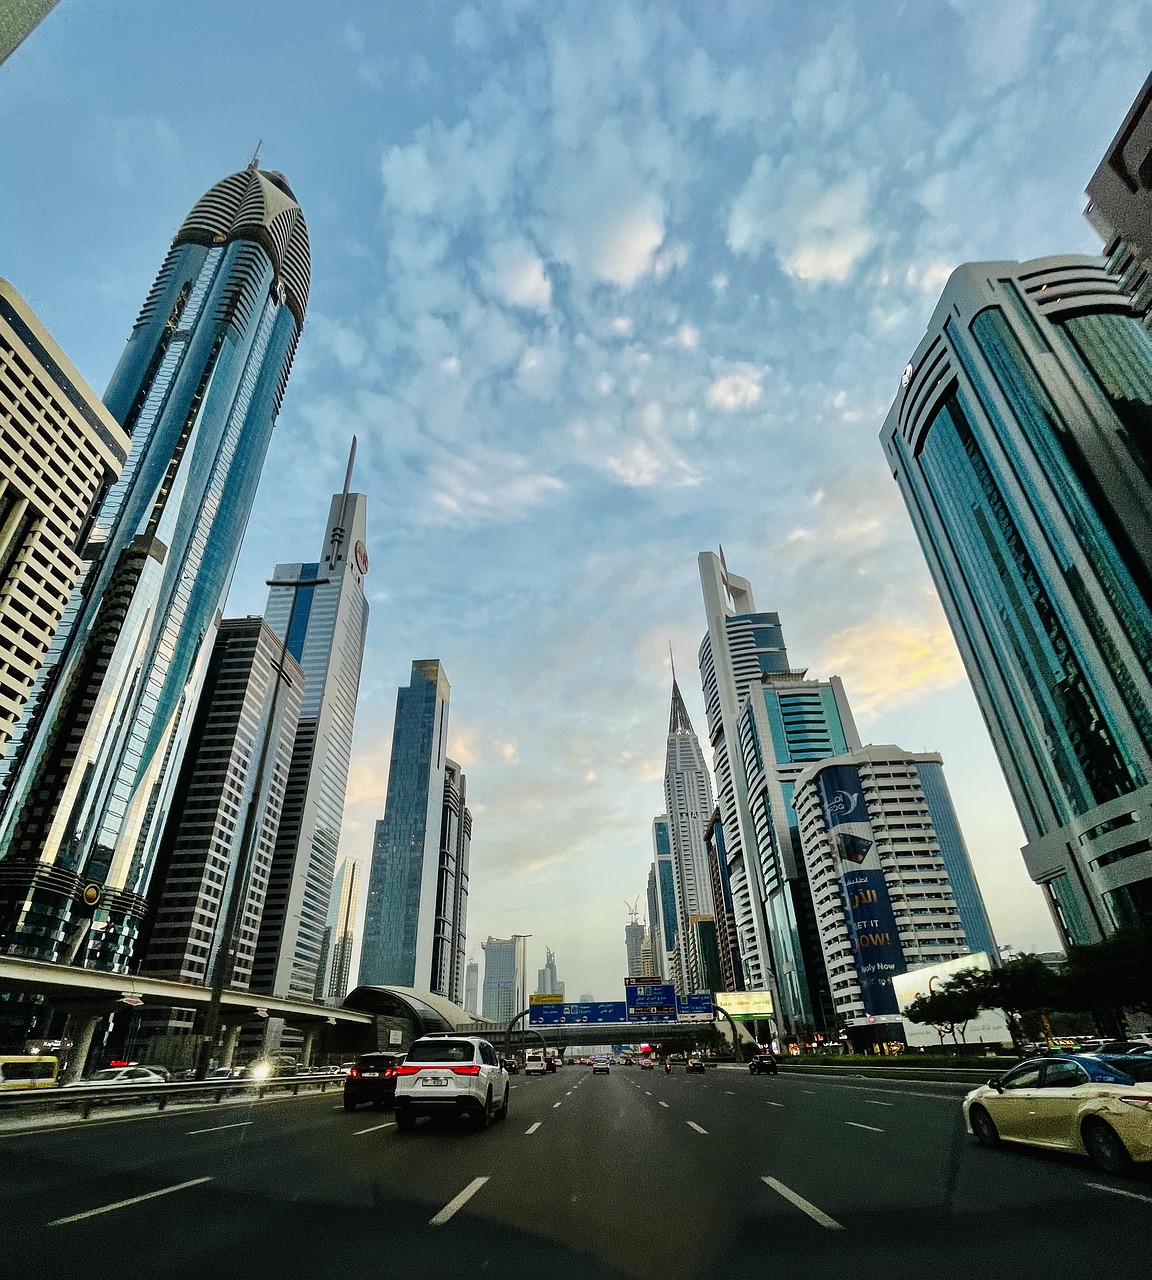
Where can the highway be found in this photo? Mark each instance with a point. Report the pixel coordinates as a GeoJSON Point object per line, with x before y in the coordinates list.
{"type": "Point", "coordinates": [634, 1174]}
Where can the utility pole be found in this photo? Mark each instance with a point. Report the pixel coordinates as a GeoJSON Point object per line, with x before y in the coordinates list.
{"type": "Point", "coordinates": [226, 950]}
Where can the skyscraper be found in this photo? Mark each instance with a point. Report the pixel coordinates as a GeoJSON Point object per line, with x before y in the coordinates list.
{"type": "Point", "coordinates": [504, 978]}
{"type": "Point", "coordinates": [547, 983]}
{"type": "Point", "coordinates": [1020, 443]}
{"type": "Point", "coordinates": [634, 949]}
{"type": "Point", "coordinates": [60, 451]}
{"type": "Point", "coordinates": [414, 929]}
{"type": "Point", "coordinates": [727, 938]}
{"type": "Point", "coordinates": [655, 940]}
{"type": "Point", "coordinates": [18, 18]}
{"type": "Point", "coordinates": [472, 988]}
{"type": "Point", "coordinates": [342, 924]}
{"type": "Point", "coordinates": [326, 627]}
{"type": "Point", "coordinates": [200, 861]}
{"type": "Point", "coordinates": [198, 388]}
{"type": "Point", "coordinates": [688, 797]}
{"type": "Point", "coordinates": [666, 915]}
{"type": "Point", "coordinates": [890, 873]}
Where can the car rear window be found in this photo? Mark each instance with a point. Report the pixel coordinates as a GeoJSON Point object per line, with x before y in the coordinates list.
{"type": "Point", "coordinates": [443, 1051]}
{"type": "Point", "coordinates": [1138, 1068]}
{"type": "Point", "coordinates": [377, 1061]}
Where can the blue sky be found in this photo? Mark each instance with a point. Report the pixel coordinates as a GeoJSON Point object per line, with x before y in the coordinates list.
{"type": "Point", "coordinates": [598, 286]}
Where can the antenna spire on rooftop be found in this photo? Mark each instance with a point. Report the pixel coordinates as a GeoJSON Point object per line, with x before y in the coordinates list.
{"type": "Point", "coordinates": [254, 163]}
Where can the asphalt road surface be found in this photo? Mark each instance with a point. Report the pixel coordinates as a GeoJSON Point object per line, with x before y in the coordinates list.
{"type": "Point", "coordinates": [634, 1174]}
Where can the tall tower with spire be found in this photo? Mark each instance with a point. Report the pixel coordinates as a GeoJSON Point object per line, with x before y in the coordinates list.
{"type": "Point", "coordinates": [89, 777]}
{"type": "Point", "coordinates": [688, 800]}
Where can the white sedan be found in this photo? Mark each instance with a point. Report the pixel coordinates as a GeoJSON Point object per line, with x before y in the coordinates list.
{"type": "Point", "coordinates": [122, 1075]}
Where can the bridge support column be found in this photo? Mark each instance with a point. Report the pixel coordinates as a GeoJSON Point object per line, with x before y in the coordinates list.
{"type": "Point", "coordinates": [231, 1040]}
{"type": "Point", "coordinates": [84, 1025]}
{"type": "Point", "coordinates": [311, 1035]}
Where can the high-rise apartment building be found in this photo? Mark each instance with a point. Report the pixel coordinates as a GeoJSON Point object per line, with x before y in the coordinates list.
{"type": "Point", "coordinates": [727, 937]}
{"type": "Point", "coordinates": [342, 929]}
{"type": "Point", "coordinates": [1020, 443]}
{"type": "Point", "coordinates": [89, 779]}
{"type": "Point", "coordinates": [60, 451]}
{"type": "Point", "coordinates": [655, 927]}
{"type": "Point", "coordinates": [634, 949]}
{"type": "Point", "coordinates": [891, 878]}
{"type": "Point", "coordinates": [665, 916]}
{"type": "Point", "coordinates": [547, 983]}
{"type": "Point", "coordinates": [1120, 201]}
{"type": "Point", "coordinates": [326, 626]}
{"type": "Point", "coordinates": [472, 988]}
{"type": "Point", "coordinates": [414, 929]}
{"type": "Point", "coordinates": [688, 797]}
{"type": "Point", "coordinates": [201, 861]}
{"type": "Point", "coordinates": [505, 978]}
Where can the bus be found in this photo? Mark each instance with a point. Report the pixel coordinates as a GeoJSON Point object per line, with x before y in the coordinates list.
{"type": "Point", "coordinates": [28, 1071]}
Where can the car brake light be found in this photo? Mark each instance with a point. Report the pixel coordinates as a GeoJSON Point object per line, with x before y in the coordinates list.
{"type": "Point", "coordinates": [1142, 1100]}
{"type": "Point", "coordinates": [391, 1071]}
{"type": "Point", "coordinates": [406, 1071]}
{"type": "Point", "coordinates": [473, 1070]}
{"type": "Point", "coordinates": [353, 1071]}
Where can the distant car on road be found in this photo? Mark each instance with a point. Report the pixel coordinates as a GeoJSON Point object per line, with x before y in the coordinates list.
{"type": "Point", "coordinates": [534, 1063]}
{"type": "Point", "coordinates": [601, 1066]}
{"type": "Point", "coordinates": [1090, 1104]}
{"type": "Point", "coordinates": [695, 1066]}
{"type": "Point", "coordinates": [510, 1065]}
{"type": "Point", "coordinates": [646, 1064]}
{"type": "Point", "coordinates": [453, 1076]}
{"type": "Point", "coordinates": [371, 1078]}
{"type": "Point", "coordinates": [764, 1064]}
{"type": "Point", "coordinates": [125, 1076]}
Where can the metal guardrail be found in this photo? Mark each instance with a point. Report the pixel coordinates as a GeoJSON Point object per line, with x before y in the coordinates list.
{"type": "Point", "coordinates": [939, 1075]}
{"type": "Point", "coordinates": [85, 1097]}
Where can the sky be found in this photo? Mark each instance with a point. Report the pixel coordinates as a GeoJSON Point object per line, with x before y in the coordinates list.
{"type": "Point", "coordinates": [598, 286]}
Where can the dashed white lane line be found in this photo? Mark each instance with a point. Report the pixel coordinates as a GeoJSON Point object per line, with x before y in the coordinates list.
{"type": "Point", "coordinates": [664, 1104]}
{"type": "Point", "coordinates": [817, 1215]}
{"type": "Point", "coordinates": [647, 1093]}
{"type": "Point", "coordinates": [457, 1202]}
{"type": "Point", "coordinates": [1119, 1191]}
{"type": "Point", "coordinates": [388, 1124]}
{"type": "Point", "coordinates": [775, 1104]}
{"type": "Point", "coordinates": [532, 1129]}
{"type": "Point", "coordinates": [693, 1125]}
{"type": "Point", "coordinates": [123, 1204]}
{"type": "Point", "coordinates": [242, 1124]}
{"type": "Point", "coordinates": [568, 1094]}
{"type": "Point", "coordinates": [811, 1091]}
{"type": "Point", "coordinates": [557, 1104]}
{"type": "Point", "coordinates": [875, 1102]}
{"type": "Point", "coordinates": [729, 1093]}
{"type": "Point", "coordinates": [871, 1127]}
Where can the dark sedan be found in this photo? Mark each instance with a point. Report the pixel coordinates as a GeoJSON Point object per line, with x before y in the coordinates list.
{"type": "Point", "coordinates": [696, 1066]}
{"type": "Point", "coordinates": [763, 1064]}
{"type": "Point", "coordinates": [372, 1079]}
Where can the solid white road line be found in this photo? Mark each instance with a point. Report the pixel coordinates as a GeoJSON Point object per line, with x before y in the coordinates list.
{"type": "Point", "coordinates": [1119, 1191]}
{"type": "Point", "coordinates": [875, 1102]}
{"type": "Point", "coordinates": [457, 1203]}
{"type": "Point", "coordinates": [664, 1104]}
{"type": "Point", "coordinates": [122, 1204]}
{"type": "Point", "coordinates": [216, 1128]}
{"type": "Point", "coordinates": [817, 1215]}
{"type": "Point", "coordinates": [693, 1125]}
{"type": "Point", "coordinates": [386, 1125]}
{"type": "Point", "coordinates": [872, 1127]}
{"type": "Point", "coordinates": [532, 1129]}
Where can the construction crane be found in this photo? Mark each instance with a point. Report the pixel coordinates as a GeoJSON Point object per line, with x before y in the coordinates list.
{"type": "Point", "coordinates": [633, 910]}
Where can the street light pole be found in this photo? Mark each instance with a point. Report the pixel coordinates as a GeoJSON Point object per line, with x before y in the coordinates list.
{"type": "Point", "coordinates": [226, 948]}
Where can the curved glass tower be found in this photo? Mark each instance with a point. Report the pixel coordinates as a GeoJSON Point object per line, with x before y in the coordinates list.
{"type": "Point", "coordinates": [88, 780]}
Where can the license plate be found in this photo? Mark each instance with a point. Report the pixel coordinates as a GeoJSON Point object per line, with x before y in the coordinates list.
{"type": "Point", "coordinates": [434, 1082]}
{"type": "Point", "coordinates": [369, 1074]}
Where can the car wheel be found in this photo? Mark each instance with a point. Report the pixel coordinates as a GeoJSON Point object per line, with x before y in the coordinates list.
{"type": "Point", "coordinates": [484, 1115]}
{"type": "Point", "coordinates": [349, 1105]}
{"type": "Point", "coordinates": [984, 1127]}
{"type": "Point", "coordinates": [502, 1114]}
{"type": "Point", "coordinates": [405, 1122]}
{"type": "Point", "coordinates": [1105, 1147]}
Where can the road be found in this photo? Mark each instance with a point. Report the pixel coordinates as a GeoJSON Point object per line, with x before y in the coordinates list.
{"type": "Point", "coordinates": [634, 1174]}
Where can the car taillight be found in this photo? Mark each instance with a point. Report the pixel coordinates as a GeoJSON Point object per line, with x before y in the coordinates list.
{"type": "Point", "coordinates": [473, 1070]}
{"type": "Point", "coordinates": [406, 1071]}
{"type": "Point", "coordinates": [389, 1073]}
{"type": "Point", "coordinates": [1142, 1100]}
{"type": "Point", "coordinates": [353, 1071]}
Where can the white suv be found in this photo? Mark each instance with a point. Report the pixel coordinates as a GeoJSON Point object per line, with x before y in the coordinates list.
{"type": "Point", "coordinates": [450, 1075]}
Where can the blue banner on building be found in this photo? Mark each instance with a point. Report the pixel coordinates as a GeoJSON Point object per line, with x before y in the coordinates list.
{"type": "Point", "coordinates": [872, 928]}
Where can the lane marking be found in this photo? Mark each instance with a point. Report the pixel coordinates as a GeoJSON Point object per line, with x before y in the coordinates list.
{"type": "Point", "coordinates": [811, 1091]}
{"type": "Point", "coordinates": [388, 1124]}
{"type": "Point", "coordinates": [693, 1125]}
{"type": "Point", "coordinates": [532, 1129]}
{"type": "Point", "coordinates": [241, 1124]}
{"type": "Point", "coordinates": [1119, 1191]}
{"type": "Point", "coordinates": [122, 1204]}
{"type": "Point", "coordinates": [557, 1104]}
{"type": "Point", "coordinates": [339, 1108]}
{"type": "Point", "coordinates": [875, 1102]}
{"type": "Point", "coordinates": [775, 1104]}
{"type": "Point", "coordinates": [872, 1127]}
{"type": "Point", "coordinates": [568, 1094]}
{"type": "Point", "coordinates": [729, 1093]}
{"type": "Point", "coordinates": [647, 1093]}
{"type": "Point", "coordinates": [817, 1215]}
{"type": "Point", "coordinates": [458, 1202]}
{"type": "Point", "coordinates": [664, 1104]}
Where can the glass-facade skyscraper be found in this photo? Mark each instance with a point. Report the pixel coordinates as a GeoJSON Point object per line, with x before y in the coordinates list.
{"type": "Point", "coordinates": [664, 920]}
{"type": "Point", "coordinates": [327, 626]}
{"type": "Point", "coordinates": [88, 780]}
{"type": "Point", "coordinates": [414, 927]}
{"type": "Point", "coordinates": [1021, 442]}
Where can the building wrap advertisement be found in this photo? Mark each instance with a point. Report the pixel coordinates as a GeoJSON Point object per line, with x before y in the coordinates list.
{"type": "Point", "coordinates": [868, 909]}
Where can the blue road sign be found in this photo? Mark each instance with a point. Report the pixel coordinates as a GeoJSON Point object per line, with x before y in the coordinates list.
{"type": "Point", "coordinates": [696, 1006]}
{"type": "Point", "coordinates": [650, 1001]}
{"type": "Point", "coordinates": [566, 1015]}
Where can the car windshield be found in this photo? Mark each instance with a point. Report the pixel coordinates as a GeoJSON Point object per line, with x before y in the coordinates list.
{"type": "Point", "coordinates": [442, 1051]}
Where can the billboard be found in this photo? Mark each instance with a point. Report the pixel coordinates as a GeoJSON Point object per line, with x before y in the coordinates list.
{"type": "Point", "coordinates": [696, 1007]}
{"type": "Point", "coordinates": [989, 1026]}
{"type": "Point", "coordinates": [872, 930]}
{"type": "Point", "coordinates": [745, 1004]}
{"type": "Point", "coordinates": [650, 1000]}
{"type": "Point", "coordinates": [551, 1011]}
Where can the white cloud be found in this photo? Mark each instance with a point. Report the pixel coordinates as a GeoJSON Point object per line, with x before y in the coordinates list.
{"type": "Point", "coordinates": [516, 276]}
{"type": "Point", "coordinates": [622, 251]}
{"type": "Point", "coordinates": [739, 389]}
{"type": "Point", "coordinates": [999, 38]}
{"type": "Point", "coordinates": [687, 336]}
{"type": "Point", "coordinates": [816, 228]}
{"type": "Point", "coordinates": [487, 486]}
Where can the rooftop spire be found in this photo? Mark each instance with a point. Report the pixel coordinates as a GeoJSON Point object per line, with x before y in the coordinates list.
{"type": "Point", "coordinates": [254, 163]}
{"type": "Point", "coordinates": [678, 721]}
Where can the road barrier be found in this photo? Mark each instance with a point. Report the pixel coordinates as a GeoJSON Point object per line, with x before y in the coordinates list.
{"type": "Point", "coordinates": [85, 1097]}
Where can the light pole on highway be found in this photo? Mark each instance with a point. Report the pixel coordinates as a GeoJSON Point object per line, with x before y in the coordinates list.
{"type": "Point", "coordinates": [226, 946]}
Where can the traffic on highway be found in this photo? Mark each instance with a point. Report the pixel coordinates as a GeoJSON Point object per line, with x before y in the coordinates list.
{"type": "Point", "coordinates": [580, 1172]}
